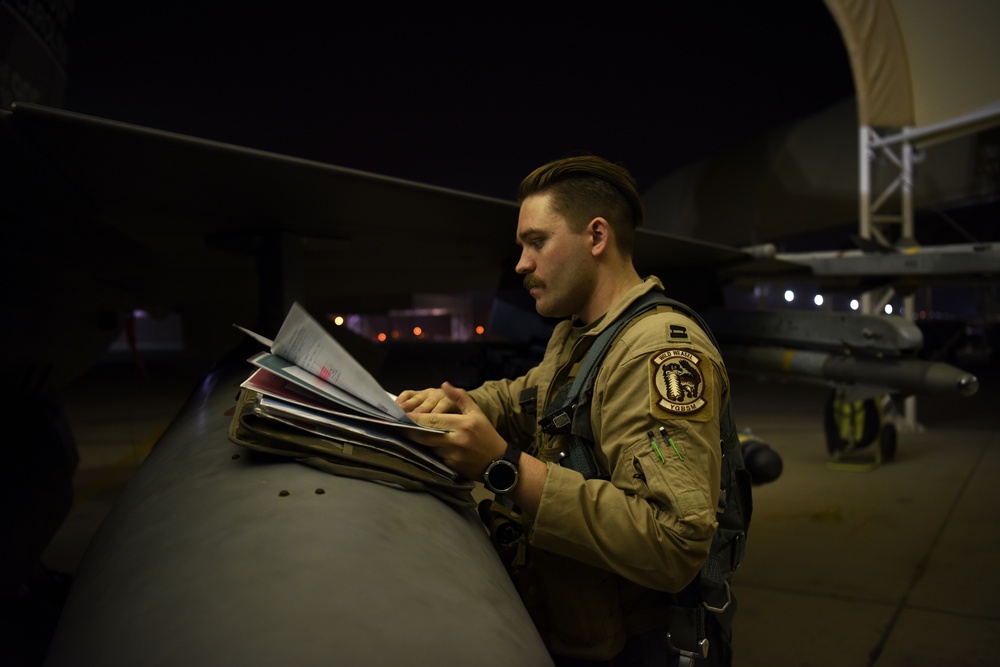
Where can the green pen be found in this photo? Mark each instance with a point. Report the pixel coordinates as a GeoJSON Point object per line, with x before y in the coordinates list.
{"type": "Point", "coordinates": [673, 444]}
{"type": "Point", "coordinates": [656, 447]}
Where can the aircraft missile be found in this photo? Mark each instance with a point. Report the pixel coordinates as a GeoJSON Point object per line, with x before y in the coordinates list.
{"type": "Point", "coordinates": [898, 375]}
{"type": "Point", "coordinates": [213, 557]}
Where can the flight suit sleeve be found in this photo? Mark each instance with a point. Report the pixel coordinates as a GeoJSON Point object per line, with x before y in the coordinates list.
{"type": "Point", "coordinates": [653, 521]}
{"type": "Point", "coordinates": [500, 401]}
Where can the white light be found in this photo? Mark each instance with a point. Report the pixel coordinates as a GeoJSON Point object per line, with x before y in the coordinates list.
{"type": "Point", "coordinates": [854, 304]}
{"type": "Point", "coordinates": [818, 299]}
{"type": "Point", "coordinates": [888, 309]}
{"type": "Point", "coordinates": [789, 295]}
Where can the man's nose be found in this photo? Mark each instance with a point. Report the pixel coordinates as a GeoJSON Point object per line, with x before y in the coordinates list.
{"type": "Point", "coordinates": [524, 265]}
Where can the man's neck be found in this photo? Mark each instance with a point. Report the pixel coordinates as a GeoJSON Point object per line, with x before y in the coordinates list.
{"type": "Point", "coordinates": [608, 292]}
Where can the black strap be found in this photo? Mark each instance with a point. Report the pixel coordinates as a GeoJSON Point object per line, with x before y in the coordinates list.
{"type": "Point", "coordinates": [562, 416]}
{"type": "Point", "coordinates": [559, 417]}
{"type": "Point", "coordinates": [591, 363]}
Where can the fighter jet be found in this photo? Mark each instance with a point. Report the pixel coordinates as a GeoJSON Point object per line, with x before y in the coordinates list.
{"type": "Point", "coordinates": [222, 233]}
{"type": "Point", "coordinates": [112, 217]}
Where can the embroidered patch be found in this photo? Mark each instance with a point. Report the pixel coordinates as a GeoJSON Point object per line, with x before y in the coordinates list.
{"type": "Point", "coordinates": [678, 381]}
{"type": "Point", "coordinates": [677, 331]}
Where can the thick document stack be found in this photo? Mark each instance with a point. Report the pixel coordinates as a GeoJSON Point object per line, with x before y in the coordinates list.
{"type": "Point", "coordinates": [310, 400]}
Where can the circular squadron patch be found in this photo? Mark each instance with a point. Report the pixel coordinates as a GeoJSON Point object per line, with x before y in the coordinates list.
{"type": "Point", "coordinates": [678, 381]}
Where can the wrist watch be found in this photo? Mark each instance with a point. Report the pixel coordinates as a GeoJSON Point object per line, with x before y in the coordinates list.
{"type": "Point", "coordinates": [501, 475]}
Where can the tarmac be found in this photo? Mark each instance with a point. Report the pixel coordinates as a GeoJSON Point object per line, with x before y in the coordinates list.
{"type": "Point", "coordinates": [887, 567]}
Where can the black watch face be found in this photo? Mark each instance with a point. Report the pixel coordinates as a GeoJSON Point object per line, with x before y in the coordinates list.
{"type": "Point", "coordinates": [502, 475]}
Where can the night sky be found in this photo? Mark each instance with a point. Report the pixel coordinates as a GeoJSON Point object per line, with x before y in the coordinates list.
{"type": "Point", "coordinates": [471, 97]}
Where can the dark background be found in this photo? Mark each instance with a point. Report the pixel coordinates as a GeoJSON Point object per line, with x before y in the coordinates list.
{"type": "Point", "coordinates": [468, 96]}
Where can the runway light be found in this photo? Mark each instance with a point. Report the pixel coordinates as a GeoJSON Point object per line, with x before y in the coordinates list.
{"type": "Point", "coordinates": [480, 330]}
{"type": "Point", "coordinates": [789, 295]}
{"type": "Point", "coordinates": [854, 304]}
{"type": "Point", "coordinates": [888, 309]}
{"type": "Point", "coordinates": [818, 299]}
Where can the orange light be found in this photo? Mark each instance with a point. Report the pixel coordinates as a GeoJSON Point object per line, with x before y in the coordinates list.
{"type": "Point", "coordinates": [480, 330]}
{"type": "Point", "coordinates": [382, 337]}
{"type": "Point", "coordinates": [417, 331]}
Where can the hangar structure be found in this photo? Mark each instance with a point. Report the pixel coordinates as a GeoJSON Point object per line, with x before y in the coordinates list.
{"type": "Point", "coordinates": [925, 75]}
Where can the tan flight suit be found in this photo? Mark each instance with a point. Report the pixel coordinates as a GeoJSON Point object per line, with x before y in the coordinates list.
{"type": "Point", "coordinates": [600, 550]}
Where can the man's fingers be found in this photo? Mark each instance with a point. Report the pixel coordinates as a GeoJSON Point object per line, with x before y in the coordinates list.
{"type": "Point", "coordinates": [426, 401]}
{"type": "Point", "coordinates": [459, 398]}
{"type": "Point", "coordinates": [430, 420]}
{"type": "Point", "coordinates": [403, 397]}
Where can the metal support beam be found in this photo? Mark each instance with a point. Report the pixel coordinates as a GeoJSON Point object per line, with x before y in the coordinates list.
{"type": "Point", "coordinates": [871, 224]}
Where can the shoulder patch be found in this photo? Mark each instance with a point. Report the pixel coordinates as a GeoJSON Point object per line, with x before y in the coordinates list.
{"type": "Point", "coordinates": [678, 382]}
{"type": "Point", "coordinates": [678, 332]}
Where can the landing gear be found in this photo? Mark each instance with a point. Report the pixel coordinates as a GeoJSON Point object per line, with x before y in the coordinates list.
{"type": "Point", "coordinates": [854, 425]}
{"type": "Point", "coordinates": [887, 442]}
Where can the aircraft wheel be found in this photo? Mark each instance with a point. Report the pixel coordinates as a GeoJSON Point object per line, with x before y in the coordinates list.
{"type": "Point", "coordinates": [887, 443]}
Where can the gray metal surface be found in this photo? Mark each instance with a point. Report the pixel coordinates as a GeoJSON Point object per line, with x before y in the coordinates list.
{"type": "Point", "coordinates": [873, 334]}
{"type": "Point", "coordinates": [965, 259]}
{"type": "Point", "coordinates": [210, 557]}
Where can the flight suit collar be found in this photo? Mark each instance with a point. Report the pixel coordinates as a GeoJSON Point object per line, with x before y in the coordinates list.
{"type": "Point", "coordinates": [596, 327]}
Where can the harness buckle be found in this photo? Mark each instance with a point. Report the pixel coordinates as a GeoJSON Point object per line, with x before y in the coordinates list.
{"type": "Point", "coordinates": [559, 422]}
{"type": "Point", "coordinates": [688, 657]}
{"type": "Point", "coordinates": [719, 610]}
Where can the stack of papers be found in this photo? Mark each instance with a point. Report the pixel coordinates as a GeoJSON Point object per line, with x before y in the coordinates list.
{"type": "Point", "coordinates": [309, 381]}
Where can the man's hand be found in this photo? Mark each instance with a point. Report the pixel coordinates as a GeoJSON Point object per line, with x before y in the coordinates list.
{"type": "Point", "coordinates": [431, 400]}
{"type": "Point", "coordinates": [471, 442]}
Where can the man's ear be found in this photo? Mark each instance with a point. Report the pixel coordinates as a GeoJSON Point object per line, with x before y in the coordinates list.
{"type": "Point", "coordinates": [600, 236]}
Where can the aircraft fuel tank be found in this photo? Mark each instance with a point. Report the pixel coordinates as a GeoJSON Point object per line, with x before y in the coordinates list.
{"type": "Point", "coordinates": [212, 557]}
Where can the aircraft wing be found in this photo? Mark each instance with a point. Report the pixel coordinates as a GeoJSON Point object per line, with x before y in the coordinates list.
{"type": "Point", "coordinates": [178, 220]}
{"type": "Point", "coordinates": [875, 264]}
{"type": "Point", "coordinates": [206, 211]}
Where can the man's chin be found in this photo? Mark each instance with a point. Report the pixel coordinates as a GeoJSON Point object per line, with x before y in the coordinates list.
{"type": "Point", "coordinates": [547, 311]}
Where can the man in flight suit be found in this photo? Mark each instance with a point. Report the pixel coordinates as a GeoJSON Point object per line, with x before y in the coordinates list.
{"type": "Point", "coordinates": [603, 554]}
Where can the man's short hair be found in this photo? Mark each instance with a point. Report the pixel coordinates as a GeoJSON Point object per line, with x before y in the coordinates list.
{"type": "Point", "coordinates": [586, 187]}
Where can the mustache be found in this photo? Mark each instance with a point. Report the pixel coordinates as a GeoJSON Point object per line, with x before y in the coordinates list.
{"type": "Point", "coordinates": [531, 281]}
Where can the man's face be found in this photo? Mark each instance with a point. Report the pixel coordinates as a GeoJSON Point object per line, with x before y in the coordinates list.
{"type": "Point", "coordinates": [556, 262]}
